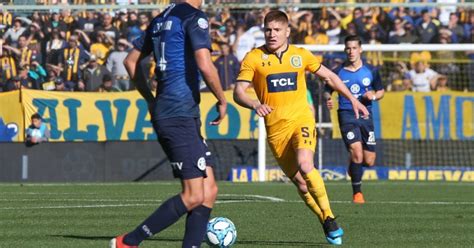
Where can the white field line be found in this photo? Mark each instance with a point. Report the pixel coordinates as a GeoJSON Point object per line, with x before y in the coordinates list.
{"type": "Point", "coordinates": [78, 206]}
{"type": "Point", "coordinates": [259, 199]}
{"type": "Point", "coordinates": [263, 197]}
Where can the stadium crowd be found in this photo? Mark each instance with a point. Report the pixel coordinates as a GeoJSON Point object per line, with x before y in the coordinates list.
{"type": "Point", "coordinates": [64, 50]}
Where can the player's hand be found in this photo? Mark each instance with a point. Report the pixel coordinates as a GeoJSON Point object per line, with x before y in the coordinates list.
{"type": "Point", "coordinates": [359, 107]}
{"type": "Point", "coordinates": [222, 111]}
{"type": "Point", "coordinates": [369, 95]}
{"type": "Point", "coordinates": [263, 110]}
{"type": "Point", "coordinates": [329, 103]}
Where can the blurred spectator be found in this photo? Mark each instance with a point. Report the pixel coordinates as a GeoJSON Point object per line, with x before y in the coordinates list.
{"type": "Point", "coordinates": [446, 56]}
{"type": "Point", "coordinates": [13, 33]}
{"type": "Point", "coordinates": [244, 41]}
{"type": "Point", "coordinates": [115, 65]}
{"type": "Point", "coordinates": [446, 11]}
{"type": "Point", "coordinates": [94, 74]}
{"type": "Point", "coordinates": [61, 85]}
{"type": "Point", "coordinates": [89, 23]}
{"type": "Point", "coordinates": [229, 31]}
{"type": "Point", "coordinates": [25, 80]}
{"type": "Point", "coordinates": [56, 23]}
{"type": "Point", "coordinates": [72, 59]}
{"type": "Point", "coordinates": [108, 28]}
{"type": "Point", "coordinates": [6, 19]}
{"type": "Point", "coordinates": [54, 47]}
{"type": "Point", "coordinates": [399, 79]}
{"type": "Point", "coordinates": [37, 74]}
{"type": "Point", "coordinates": [7, 63]}
{"type": "Point", "coordinates": [398, 31]}
{"type": "Point", "coordinates": [23, 52]}
{"type": "Point", "coordinates": [49, 84]}
{"type": "Point", "coordinates": [139, 28]}
{"type": "Point", "coordinates": [101, 47]}
{"type": "Point", "coordinates": [468, 26]}
{"type": "Point", "coordinates": [424, 78]}
{"type": "Point", "coordinates": [37, 132]}
{"type": "Point", "coordinates": [107, 85]}
{"type": "Point", "coordinates": [228, 67]}
{"type": "Point", "coordinates": [121, 23]}
{"type": "Point", "coordinates": [35, 40]}
{"type": "Point", "coordinates": [374, 57]}
{"type": "Point", "coordinates": [441, 83]}
{"type": "Point", "coordinates": [457, 31]}
{"type": "Point", "coordinates": [427, 30]}
{"type": "Point", "coordinates": [13, 83]}
{"type": "Point", "coordinates": [256, 28]}
{"type": "Point", "coordinates": [334, 30]}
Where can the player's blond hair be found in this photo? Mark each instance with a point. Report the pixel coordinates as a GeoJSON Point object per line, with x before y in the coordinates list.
{"type": "Point", "coordinates": [276, 15]}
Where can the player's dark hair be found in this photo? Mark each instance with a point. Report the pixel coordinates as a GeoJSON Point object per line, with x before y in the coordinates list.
{"type": "Point", "coordinates": [276, 15]}
{"type": "Point", "coordinates": [353, 38]}
{"type": "Point", "coordinates": [36, 116]}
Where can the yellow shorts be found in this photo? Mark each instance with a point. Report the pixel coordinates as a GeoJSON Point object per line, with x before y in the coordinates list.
{"type": "Point", "coordinates": [285, 139]}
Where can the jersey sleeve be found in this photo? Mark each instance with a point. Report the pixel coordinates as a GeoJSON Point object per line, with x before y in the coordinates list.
{"type": "Point", "coordinates": [144, 43]}
{"type": "Point", "coordinates": [197, 29]}
{"type": "Point", "coordinates": [247, 70]}
{"type": "Point", "coordinates": [311, 62]}
{"type": "Point", "coordinates": [377, 80]}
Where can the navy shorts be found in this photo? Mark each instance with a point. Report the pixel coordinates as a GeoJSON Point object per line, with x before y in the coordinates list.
{"type": "Point", "coordinates": [186, 149]}
{"type": "Point", "coordinates": [355, 130]}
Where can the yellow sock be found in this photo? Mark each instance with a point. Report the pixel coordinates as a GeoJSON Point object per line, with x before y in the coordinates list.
{"type": "Point", "coordinates": [316, 188]}
{"type": "Point", "coordinates": [311, 203]}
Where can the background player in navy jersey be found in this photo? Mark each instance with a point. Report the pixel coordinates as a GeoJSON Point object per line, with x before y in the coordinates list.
{"type": "Point", "coordinates": [180, 42]}
{"type": "Point", "coordinates": [364, 83]}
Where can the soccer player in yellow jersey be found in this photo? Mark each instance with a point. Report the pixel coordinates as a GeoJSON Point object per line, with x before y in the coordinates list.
{"type": "Point", "coordinates": [277, 72]}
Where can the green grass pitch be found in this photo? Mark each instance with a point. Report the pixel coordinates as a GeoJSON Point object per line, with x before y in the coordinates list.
{"type": "Point", "coordinates": [397, 214]}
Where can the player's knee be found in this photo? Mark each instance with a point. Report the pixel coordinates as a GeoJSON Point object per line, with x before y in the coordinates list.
{"type": "Point", "coordinates": [369, 161]}
{"type": "Point", "coordinates": [194, 200]}
{"type": "Point", "coordinates": [357, 157]}
{"type": "Point", "coordinates": [301, 185]}
{"type": "Point", "coordinates": [306, 166]}
{"type": "Point", "coordinates": [211, 193]}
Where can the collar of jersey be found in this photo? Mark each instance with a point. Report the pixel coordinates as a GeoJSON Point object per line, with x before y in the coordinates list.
{"type": "Point", "coordinates": [282, 53]}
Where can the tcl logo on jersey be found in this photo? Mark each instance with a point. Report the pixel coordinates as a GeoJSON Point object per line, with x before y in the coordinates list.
{"type": "Point", "coordinates": [282, 82]}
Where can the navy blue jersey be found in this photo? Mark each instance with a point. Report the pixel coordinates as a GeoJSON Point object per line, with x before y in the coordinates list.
{"type": "Point", "coordinates": [173, 37]}
{"type": "Point", "coordinates": [366, 78]}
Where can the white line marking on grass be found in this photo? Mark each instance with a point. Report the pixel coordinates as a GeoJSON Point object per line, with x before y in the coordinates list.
{"type": "Point", "coordinates": [263, 197]}
{"type": "Point", "coordinates": [78, 206]}
{"type": "Point", "coordinates": [77, 200]}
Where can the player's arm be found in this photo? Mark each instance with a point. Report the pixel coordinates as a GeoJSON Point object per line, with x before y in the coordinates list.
{"type": "Point", "coordinates": [209, 73]}
{"type": "Point", "coordinates": [135, 71]}
{"type": "Point", "coordinates": [142, 48]}
{"type": "Point", "coordinates": [378, 92]}
{"type": "Point", "coordinates": [335, 83]}
{"type": "Point", "coordinates": [244, 100]}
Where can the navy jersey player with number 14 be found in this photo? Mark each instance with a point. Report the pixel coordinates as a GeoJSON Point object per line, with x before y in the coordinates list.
{"type": "Point", "coordinates": [364, 83]}
{"type": "Point", "coordinates": [180, 42]}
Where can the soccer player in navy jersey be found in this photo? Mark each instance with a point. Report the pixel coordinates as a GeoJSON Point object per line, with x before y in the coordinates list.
{"type": "Point", "coordinates": [365, 84]}
{"type": "Point", "coordinates": [180, 42]}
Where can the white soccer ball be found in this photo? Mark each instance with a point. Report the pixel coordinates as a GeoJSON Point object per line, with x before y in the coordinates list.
{"type": "Point", "coordinates": [220, 233]}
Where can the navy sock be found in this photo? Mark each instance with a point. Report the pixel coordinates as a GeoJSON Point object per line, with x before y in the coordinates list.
{"type": "Point", "coordinates": [355, 171]}
{"type": "Point", "coordinates": [168, 213]}
{"type": "Point", "coordinates": [196, 226]}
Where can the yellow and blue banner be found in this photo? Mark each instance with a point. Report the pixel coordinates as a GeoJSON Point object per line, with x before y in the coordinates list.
{"type": "Point", "coordinates": [90, 116]}
{"type": "Point", "coordinates": [76, 116]}
{"type": "Point", "coordinates": [337, 173]}
{"type": "Point", "coordinates": [11, 117]}
{"type": "Point", "coordinates": [421, 116]}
